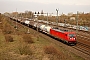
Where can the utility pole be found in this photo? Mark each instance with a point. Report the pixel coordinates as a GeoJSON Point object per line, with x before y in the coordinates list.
{"type": "Point", "coordinates": [36, 14]}
{"type": "Point", "coordinates": [47, 19]}
{"type": "Point", "coordinates": [27, 23]}
{"type": "Point", "coordinates": [16, 18]}
{"type": "Point", "coordinates": [21, 16]}
{"type": "Point", "coordinates": [64, 22]}
{"type": "Point", "coordinates": [77, 22]}
{"type": "Point", "coordinates": [28, 29]}
{"type": "Point", "coordinates": [57, 17]}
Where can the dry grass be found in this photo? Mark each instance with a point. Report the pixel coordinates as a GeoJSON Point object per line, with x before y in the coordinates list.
{"type": "Point", "coordinates": [50, 50]}
{"type": "Point", "coordinates": [28, 38]}
{"type": "Point", "coordinates": [7, 29]}
{"type": "Point", "coordinates": [54, 53]}
{"type": "Point", "coordinates": [9, 38]}
{"type": "Point", "coordinates": [24, 49]}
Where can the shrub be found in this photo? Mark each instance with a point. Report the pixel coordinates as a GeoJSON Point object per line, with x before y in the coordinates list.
{"type": "Point", "coordinates": [7, 29]}
{"type": "Point", "coordinates": [9, 38]}
{"type": "Point", "coordinates": [54, 53]}
{"type": "Point", "coordinates": [50, 50]}
{"type": "Point", "coordinates": [24, 49]}
{"type": "Point", "coordinates": [28, 38]}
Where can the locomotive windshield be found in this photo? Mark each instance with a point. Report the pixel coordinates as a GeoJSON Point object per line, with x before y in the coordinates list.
{"type": "Point", "coordinates": [71, 35]}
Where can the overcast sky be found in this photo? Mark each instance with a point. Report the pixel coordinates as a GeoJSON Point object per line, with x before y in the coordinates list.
{"type": "Point", "coordinates": [50, 6]}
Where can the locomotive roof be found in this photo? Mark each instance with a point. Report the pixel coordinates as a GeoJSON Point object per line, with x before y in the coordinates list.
{"type": "Point", "coordinates": [63, 31]}
{"type": "Point", "coordinates": [60, 30]}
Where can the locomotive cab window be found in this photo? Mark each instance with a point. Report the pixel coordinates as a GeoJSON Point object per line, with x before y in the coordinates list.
{"type": "Point", "coordinates": [71, 35]}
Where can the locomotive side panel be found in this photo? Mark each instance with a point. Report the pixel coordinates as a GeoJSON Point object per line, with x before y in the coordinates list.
{"type": "Point", "coordinates": [59, 35]}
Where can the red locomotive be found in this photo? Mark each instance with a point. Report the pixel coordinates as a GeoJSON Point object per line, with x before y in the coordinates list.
{"type": "Point", "coordinates": [64, 35]}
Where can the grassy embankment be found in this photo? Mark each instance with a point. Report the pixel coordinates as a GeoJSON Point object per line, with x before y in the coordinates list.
{"type": "Point", "coordinates": [18, 45]}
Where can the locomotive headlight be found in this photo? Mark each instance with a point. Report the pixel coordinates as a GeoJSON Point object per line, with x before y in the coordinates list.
{"type": "Point", "coordinates": [74, 38]}
{"type": "Point", "coordinates": [70, 38]}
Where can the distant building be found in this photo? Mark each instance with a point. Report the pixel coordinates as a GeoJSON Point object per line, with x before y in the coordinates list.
{"type": "Point", "coordinates": [7, 14]}
{"type": "Point", "coordinates": [70, 14]}
{"type": "Point", "coordinates": [72, 18]}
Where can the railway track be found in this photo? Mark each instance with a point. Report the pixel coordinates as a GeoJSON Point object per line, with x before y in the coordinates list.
{"type": "Point", "coordinates": [82, 48]}
{"type": "Point", "coordinates": [86, 38]}
{"type": "Point", "coordinates": [80, 33]}
{"type": "Point", "coordinates": [82, 36]}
